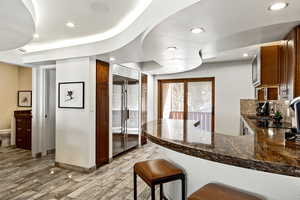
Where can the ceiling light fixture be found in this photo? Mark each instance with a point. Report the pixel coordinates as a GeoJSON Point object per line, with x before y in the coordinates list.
{"type": "Point", "coordinates": [245, 55]}
{"type": "Point", "coordinates": [112, 59]}
{"type": "Point", "coordinates": [36, 36]}
{"type": "Point", "coordinates": [278, 6]}
{"type": "Point", "coordinates": [172, 48]}
{"type": "Point", "coordinates": [197, 30]}
{"type": "Point", "coordinates": [70, 24]}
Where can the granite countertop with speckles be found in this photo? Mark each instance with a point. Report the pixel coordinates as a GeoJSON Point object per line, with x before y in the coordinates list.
{"type": "Point", "coordinates": [266, 150]}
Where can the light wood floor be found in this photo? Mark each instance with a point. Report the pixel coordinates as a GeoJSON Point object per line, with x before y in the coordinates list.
{"type": "Point", "coordinates": [25, 178]}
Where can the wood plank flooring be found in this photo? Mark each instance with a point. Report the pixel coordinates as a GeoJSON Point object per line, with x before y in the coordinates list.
{"type": "Point", "coordinates": [25, 178]}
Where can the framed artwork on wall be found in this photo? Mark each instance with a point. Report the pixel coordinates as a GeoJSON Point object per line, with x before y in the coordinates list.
{"type": "Point", "coordinates": [71, 95]}
{"type": "Point", "coordinates": [24, 98]}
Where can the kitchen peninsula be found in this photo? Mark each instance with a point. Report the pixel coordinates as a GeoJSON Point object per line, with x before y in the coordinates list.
{"type": "Point", "coordinates": [261, 163]}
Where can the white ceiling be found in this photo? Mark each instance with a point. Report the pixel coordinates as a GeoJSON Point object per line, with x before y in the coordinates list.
{"type": "Point", "coordinates": [16, 25]}
{"type": "Point", "coordinates": [231, 28]}
{"type": "Point", "coordinates": [94, 20]}
{"type": "Point", "coordinates": [228, 24]}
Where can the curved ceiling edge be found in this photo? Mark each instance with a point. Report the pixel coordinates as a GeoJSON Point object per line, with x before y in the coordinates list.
{"type": "Point", "coordinates": [16, 30]}
{"type": "Point", "coordinates": [152, 15]}
{"type": "Point", "coordinates": [124, 24]}
{"type": "Point", "coordinates": [150, 28]}
{"type": "Point", "coordinates": [29, 4]}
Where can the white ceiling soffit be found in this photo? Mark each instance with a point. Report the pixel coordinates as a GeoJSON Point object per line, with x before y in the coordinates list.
{"type": "Point", "coordinates": [228, 25]}
{"type": "Point", "coordinates": [17, 24]}
{"type": "Point", "coordinates": [13, 57]}
{"type": "Point", "coordinates": [94, 20]}
{"type": "Point", "coordinates": [156, 12]}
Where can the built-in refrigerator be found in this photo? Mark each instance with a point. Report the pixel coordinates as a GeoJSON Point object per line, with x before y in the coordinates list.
{"type": "Point", "coordinates": [125, 116]}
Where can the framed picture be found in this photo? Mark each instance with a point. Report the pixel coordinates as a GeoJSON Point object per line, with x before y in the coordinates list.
{"type": "Point", "coordinates": [24, 98]}
{"type": "Point", "coordinates": [71, 95]}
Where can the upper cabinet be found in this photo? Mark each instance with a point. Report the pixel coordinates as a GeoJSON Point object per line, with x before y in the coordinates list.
{"type": "Point", "coordinates": [290, 66]}
{"type": "Point", "coordinates": [265, 72]}
{"type": "Point", "coordinates": [265, 67]}
{"type": "Point", "coordinates": [278, 66]}
{"type": "Point", "coordinates": [270, 64]}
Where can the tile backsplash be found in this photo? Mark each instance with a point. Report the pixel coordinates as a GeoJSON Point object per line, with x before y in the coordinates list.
{"type": "Point", "coordinates": [248, 107]}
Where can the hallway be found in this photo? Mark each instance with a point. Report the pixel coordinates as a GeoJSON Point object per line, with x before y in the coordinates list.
{"type": "Point", "coordinates": [25, 178]}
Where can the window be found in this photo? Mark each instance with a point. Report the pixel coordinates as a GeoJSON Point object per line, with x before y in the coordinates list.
{"type": "Point", "coordinates": [190, 99]}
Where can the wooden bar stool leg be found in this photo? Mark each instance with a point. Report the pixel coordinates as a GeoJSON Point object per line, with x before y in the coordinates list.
{"type": "Point", "coordinates": [135, 186]}
{"type": "Point", "coordinates": [183, 188]}
{"type": "Point", "coordinates": [161, 192]}
{"type": "Point", "coordinates": [153, 192]}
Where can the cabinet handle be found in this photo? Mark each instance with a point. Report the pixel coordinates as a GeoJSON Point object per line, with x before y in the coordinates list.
{"type": "Point", "coordinates": [29, 130]}
{"type": "Point", "coordinates": [19, 129]}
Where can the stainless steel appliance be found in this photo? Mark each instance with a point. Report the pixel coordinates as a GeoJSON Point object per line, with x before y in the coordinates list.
{"type": "Point", "coordinates": [295, 105]}
{"type": "Point", "coordinates": [262, 109]}
{"type": "Point", "coordinates": [125, 119]}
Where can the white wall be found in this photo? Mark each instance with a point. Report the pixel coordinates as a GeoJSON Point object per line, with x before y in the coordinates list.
{"type": "Point", "coordinates": [200, 172]}
{"type": "Point", "coordinates": [232, 83]}
{"type": "Point", "coordinates": [151, 99]}
{"type": "Point", "coordinates": [75, 128]}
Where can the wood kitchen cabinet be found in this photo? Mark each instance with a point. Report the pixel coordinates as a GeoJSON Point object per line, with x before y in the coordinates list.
{"type": "Point", "coordinates": [23, 129]}
{"type": "Point", "coordinates": [290, 65]}
{"type": "Point", "coordinates": [270, 64]}
{"type": "Point", "coordinates": [266, 94]}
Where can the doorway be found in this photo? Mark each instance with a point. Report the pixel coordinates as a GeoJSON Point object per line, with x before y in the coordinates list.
{"type": "Point", "coordinates": [188, 99]}
{"type": "Point", "coordinates": [50, 111]}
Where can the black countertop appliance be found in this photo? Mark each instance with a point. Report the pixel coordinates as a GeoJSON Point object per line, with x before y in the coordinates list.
{"type": "Point", "coordinates": [262, 109]}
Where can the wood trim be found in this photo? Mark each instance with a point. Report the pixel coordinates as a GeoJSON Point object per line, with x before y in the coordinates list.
{"type": "Point", "coordinates": [144, 106]}
{"type": "Point", "coordinates": [102, 113]}
{"type": "Point", "coordinates": [185, 99]}
{"type": "Point", "coordinates": [159, 100]}
{"type": "Point", "coordinates": [185, 81]}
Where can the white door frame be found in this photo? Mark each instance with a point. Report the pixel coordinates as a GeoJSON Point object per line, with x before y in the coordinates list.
{"type": "Point", "coordinates": [39, 103]}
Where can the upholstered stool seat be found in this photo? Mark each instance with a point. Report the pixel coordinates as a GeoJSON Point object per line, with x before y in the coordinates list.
{"type": "Point", "coordinates": [214, 191]}
{"type": "Point", "coordinates": [157, 172]}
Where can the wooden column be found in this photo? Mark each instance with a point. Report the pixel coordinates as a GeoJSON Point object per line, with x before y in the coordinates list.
{"type": "Point", "coordinates": [102, 113]}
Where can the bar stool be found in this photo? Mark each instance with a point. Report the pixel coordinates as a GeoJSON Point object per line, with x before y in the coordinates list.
{"type": "Point", "coordinates": [213, 191]}
{"type": "Point", "coordinates": [158, 172]}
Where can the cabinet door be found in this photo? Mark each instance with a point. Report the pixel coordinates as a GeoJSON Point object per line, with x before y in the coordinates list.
{"type": "Point", "coordinates": [297, 69]}
{"type": "Point", "coordinates": [290, 63]}
{"type": "Point", "coordinates": [261, 94]}
{"type": "Point", "coordinates": [270, 65]}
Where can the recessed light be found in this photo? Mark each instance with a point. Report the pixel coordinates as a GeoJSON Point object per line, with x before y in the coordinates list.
{"type": "Point", "coordinates": [278, 6]}
{"type": "Point", "coordinates": [245, 55]}
{"type": "Point", "coordinates": [112, 59]}
{"type": "Point", "coordinates": [70, 24]}
{"type": "Point", "coordinates": [36, 36]}
{"type": "Point", "coordinates": [172, 48]}
{"type": "Point", "coordinates": [197, 30]}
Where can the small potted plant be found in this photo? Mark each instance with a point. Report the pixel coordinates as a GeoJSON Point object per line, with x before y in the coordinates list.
{"type": "Point", "coordinates": [277, 117]}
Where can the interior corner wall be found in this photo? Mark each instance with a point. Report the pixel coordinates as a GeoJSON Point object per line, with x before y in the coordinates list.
{"type": "Point", "coordinates": [25, 78]}
{"type": "Point", "coordinates": [75, 128]}
{"type": "Point", "coordinates": [233, 81]}
{"type": "Point", "coordinates": [12, 79]}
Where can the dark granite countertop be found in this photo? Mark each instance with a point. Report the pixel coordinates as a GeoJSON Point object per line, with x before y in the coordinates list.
{"type": "Point", "coordinates": [266, 150]}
